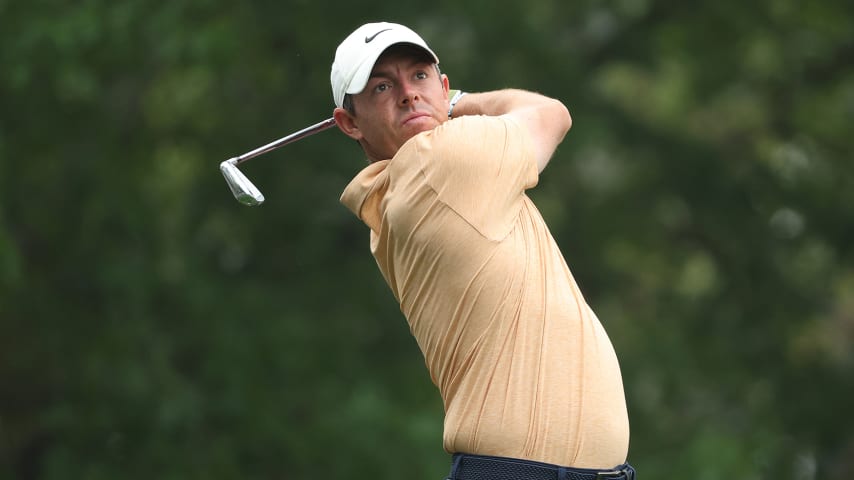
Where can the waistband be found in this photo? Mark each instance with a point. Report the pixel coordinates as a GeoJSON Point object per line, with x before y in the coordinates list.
{"type": "Point", "coordinates": [482, 467]}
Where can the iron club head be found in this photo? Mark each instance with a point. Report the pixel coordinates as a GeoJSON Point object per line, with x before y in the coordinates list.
{"type": "Point", "coordinates": [244, 191]}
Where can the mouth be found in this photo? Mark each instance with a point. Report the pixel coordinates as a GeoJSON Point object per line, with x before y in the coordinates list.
{"type": "Point", "coordinates": [414, 117]}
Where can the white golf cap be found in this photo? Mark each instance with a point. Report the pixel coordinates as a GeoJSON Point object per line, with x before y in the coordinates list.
{"type": "Point", "coordinates": [357, 54]}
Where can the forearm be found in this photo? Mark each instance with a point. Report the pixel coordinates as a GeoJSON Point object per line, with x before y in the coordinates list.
{"type": "Point", "coordinates": [546, 119]}
{"type": "Point", "coordinates": [498, 102]}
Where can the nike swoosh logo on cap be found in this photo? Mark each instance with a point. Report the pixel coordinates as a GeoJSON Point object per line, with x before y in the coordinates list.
{"type": "Point", "coordinates": [371, 38]}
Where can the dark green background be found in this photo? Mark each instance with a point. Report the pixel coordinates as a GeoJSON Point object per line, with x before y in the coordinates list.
{"type": "Point", "coordinates": [151, 327]}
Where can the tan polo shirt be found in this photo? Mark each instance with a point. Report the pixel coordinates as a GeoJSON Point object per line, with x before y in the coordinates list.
{"type": "Point", "coordinates": [523, 365]}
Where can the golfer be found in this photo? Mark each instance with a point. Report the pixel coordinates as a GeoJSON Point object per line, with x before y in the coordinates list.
{"type": "Point", "coordinates": [529, 379]}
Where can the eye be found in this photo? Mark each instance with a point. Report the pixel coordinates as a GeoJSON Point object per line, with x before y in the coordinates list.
{"type": "Point", "coordinates": [421, 75]}
{"type": "Point", "coordinates": [381, 87]}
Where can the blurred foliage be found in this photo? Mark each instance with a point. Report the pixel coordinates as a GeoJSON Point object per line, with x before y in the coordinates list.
{"type": "Point", "coordinates": [151, 327]}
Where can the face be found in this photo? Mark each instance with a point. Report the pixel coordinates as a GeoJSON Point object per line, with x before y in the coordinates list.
{"type": "Point", "coordinates": [405, 95]}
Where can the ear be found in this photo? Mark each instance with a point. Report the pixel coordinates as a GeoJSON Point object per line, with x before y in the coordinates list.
{"type": "Point", "coordinates": [446, 85]}
{"type": "Point", "coordinates": [347, 124]}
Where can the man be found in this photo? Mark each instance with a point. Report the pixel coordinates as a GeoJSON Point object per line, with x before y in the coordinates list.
{"type": "Point", "coordinates": [529, 379]}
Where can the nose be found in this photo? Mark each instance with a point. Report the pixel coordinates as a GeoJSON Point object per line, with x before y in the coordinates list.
{"type": "Point", "coordinates": [408, 94]}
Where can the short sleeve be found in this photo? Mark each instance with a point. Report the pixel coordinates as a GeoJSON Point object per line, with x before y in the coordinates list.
{"type": "Point", "coordinates": [480, 167]}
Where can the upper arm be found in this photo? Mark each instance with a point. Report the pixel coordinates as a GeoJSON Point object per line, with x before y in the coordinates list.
{"type": "Point", "coordinates": [480, 167]}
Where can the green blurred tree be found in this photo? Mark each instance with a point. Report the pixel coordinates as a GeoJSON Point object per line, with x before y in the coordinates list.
{"type": "Point", "coordinates": [150, 326]}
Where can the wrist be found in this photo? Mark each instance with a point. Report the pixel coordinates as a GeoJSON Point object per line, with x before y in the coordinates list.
{"type": "Point", "coordinates": [454, 99]}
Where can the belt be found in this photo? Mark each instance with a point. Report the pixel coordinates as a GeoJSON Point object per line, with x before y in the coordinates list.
{"type": "Point", "coordinates": [480, 467]}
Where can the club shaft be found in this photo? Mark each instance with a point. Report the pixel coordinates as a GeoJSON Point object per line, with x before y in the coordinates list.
{"type": "Point", "coordinates": [305, 132]}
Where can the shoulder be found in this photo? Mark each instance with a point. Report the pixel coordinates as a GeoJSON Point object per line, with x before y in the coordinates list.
{"type": "Point", "coordinates": [473, 127]}
{"type": "Point", "coordinates": [364, 192]}
{"type": "Point", "coordinates": [471, 139]}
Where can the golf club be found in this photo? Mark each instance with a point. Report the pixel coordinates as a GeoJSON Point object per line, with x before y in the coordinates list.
{"type": "Point", "coordinates": [243, 189]}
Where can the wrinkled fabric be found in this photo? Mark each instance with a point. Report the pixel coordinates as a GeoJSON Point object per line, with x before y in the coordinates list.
{"type": "Point", "coordinates": [524, 366]}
